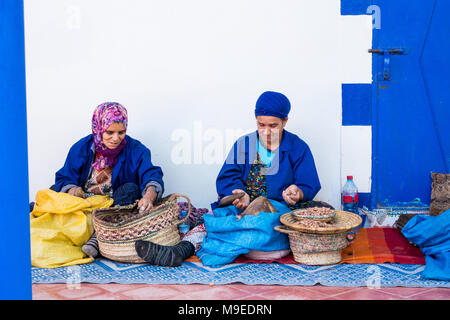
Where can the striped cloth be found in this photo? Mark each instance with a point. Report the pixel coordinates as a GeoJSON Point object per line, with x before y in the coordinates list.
{"type": "Point", "coordinates": [381, 245]}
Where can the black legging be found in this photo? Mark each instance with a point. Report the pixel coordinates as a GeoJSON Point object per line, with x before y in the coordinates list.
{"type": "Point", "coordinates": [126, 194]}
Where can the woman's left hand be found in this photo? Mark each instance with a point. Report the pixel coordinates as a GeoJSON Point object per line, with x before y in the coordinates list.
{"type": "Point", "coordinates": [145, 204]}
{"type": "Point", "coordinates": [292, 194]}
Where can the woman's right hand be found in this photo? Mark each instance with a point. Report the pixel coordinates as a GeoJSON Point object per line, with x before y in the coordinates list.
{"type": "Point", "coordinates": [77, 192]}
{"type": "Point", "coordinates": [243, 202]}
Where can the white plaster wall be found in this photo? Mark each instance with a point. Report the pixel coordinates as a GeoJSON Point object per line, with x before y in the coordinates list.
{"type": "Point", "coordinates": [189, 67]}
{"type": "Point", "coordinates": [356, 149]}
{"type": "Point", "coordinates": [356, 141]}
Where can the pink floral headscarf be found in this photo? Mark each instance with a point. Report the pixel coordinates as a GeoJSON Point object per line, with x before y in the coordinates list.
{"type": "Point", "coordinates": [104, 115]}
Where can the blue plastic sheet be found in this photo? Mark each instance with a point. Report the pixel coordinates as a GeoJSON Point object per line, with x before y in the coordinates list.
{"type": "Point", "coordinates": [432, 235]}
{"type": "Point", "coordinates": [227, 237]}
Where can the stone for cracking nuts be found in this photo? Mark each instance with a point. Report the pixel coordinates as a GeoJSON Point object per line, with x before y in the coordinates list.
{"type": "Point", "coordinates": [260, 204]}
{"type": "Point", "coordinates": [229, 199]}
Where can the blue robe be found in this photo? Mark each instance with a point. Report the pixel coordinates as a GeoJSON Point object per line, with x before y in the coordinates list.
{"type": "Point", "coordinates": [293, 163]}
{"type": "Point", "coordinates": [431, 234]}
{"type": "Point", "coordinates": [134, 165]}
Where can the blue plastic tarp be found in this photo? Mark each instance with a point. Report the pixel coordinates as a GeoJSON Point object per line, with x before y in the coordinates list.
{"type": "Point", "coordinates": [227, 237]}
{"type": "Point", "coordinates": [432, 235]}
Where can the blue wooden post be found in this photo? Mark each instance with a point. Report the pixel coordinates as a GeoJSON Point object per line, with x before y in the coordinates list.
{"type": "Point", "coordinates": [15, 266]}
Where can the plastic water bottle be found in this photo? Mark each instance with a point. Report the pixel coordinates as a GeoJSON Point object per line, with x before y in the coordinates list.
{"type": "Point", "coordinates": [350, 200]}
{"type": "Point", "coordinates": [350, 196]}
{"type": "Point", "coordinates": [183, 227]}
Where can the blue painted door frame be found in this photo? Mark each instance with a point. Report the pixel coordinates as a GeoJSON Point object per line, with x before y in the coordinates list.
{"type": "Point", "coordinates": [411, 109]}
{"type": "Point", "coordinates": [15, 269]}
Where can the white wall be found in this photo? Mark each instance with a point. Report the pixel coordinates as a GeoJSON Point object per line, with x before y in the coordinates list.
{"type": "Point", "coordinates": [176, 65]}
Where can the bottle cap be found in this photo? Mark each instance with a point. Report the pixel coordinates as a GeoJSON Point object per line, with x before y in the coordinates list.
{"type": "Point", "coordinates": [349, 177]}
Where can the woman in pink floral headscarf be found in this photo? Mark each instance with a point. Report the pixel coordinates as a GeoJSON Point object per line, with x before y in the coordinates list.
{"type": "Point", "coordinates": [109, 162]}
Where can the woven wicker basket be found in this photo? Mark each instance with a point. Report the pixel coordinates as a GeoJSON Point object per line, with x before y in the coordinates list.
{"type": "Point", "coordinates": [118, 228]}
{"type": "Point", "coordinates": [343, 221]}
{"type": "Point", "coordinates": [315, 249]}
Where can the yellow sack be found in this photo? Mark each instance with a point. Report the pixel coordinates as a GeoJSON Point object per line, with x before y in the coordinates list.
{"type": "Point", "coordinates": [60, 225]}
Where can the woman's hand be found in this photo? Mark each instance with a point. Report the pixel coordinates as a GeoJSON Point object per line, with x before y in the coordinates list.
{"type": "Point", "coordinates": [77, 192]}
{"type": "Point", "coordinates": [146, 203]}
{"type": "Point", "coordinates": [243, 202]}
{"type": "Point", "coordinates": [292, 194]}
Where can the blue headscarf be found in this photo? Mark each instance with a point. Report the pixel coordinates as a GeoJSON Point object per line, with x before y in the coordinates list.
{"type": "Point", "coordinates": [273, 104]}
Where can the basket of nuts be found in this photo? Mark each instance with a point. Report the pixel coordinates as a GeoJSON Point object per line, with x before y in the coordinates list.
{"type": "Point", "coordinates": [315, 249]}
{"type": "Point", "coordinates": [316, 242]}
{"type": "Point", "coordinates": [315, 213]}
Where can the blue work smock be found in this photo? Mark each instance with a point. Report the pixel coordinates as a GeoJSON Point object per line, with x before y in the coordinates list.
{"type": "Point", "coordinates": [293, 163]}
{"type": "Point", "coordinates": [134, 165]}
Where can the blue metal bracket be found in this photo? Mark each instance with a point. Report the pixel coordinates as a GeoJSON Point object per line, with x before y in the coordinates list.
{"type": "Point", "coordinates": [387, 53]}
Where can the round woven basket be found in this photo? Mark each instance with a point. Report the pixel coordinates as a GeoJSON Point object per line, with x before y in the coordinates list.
{"type": "Point", "coordinates": [315, 249]}
{"type": "Point", "coordinates": [118, 228]}
{"type": "Point", "coordinates": [342, 222]}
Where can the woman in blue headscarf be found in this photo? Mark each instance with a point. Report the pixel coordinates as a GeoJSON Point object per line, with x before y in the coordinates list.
{"type": "Point", "coordinates": [270, 162]}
